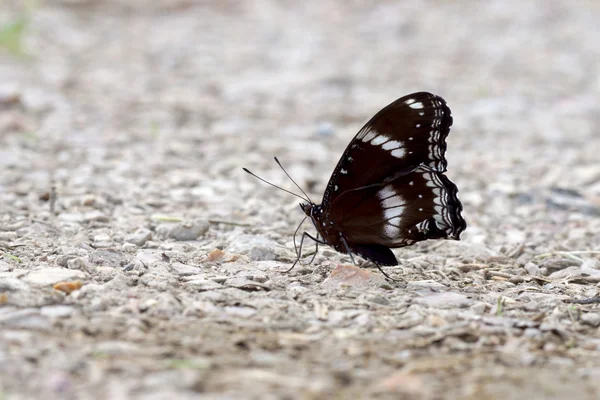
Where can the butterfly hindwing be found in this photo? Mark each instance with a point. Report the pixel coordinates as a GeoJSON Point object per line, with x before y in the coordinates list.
{"type": "Point", "coordinates": [420, 205]}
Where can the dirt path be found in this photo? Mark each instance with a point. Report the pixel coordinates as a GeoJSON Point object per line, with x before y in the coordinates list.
{"type": "Point", "coordinates": [123, 131]}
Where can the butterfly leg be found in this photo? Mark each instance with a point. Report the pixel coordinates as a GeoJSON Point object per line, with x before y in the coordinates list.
{"type": "Point", "coordinates": [316, 251]}
{"type": "Point", "coordinates": [304, 235]}
{"type": "Point", "coordinates": [354, 262]}
{"type": "Point", "coordinates": [296, 232]}
{"type": "Point", "coordinates": [348, 249]}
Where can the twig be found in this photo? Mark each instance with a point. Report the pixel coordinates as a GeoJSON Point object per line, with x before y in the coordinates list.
{"type": "Point", "coordinates": [569, 254]}
{"type": "Point", "coordinates": [591, 300]}
{"type": "Point", "coordinates": [218, 221]}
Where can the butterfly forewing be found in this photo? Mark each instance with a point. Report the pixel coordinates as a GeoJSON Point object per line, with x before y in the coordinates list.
{"type": "Point", "coordinates": [407, 133]}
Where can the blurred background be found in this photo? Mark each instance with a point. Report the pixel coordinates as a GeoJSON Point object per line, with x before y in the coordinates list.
{"type": "Point", "coordinates": [171, 98]}
{"type": "Point", "coordinates": [135, 108]}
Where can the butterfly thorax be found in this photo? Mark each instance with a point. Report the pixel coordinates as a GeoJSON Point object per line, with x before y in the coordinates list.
{"type": "Point", "coordinates": [324, 224]}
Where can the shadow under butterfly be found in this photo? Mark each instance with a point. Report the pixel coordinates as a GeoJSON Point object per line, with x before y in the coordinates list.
{"type": "Point", "coordinates": [389, 189]}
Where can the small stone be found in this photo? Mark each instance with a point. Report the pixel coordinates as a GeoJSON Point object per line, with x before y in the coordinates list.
{"type": "Point", "coordinates": [139, 237]}
{"type": "Point", "coordinates": [28, 318]}
{"type": "Point", "coordinates": [52, 275]}
{"type": "Point", "coordinates": [246, 284]}
{"type": "Point", "coordinates": [445, 300]}
{"type": "Point", "coordinates": [189, 230]}
{"type": "Point", "coordinates": [350, 275]}
{"type": "Point", "coordinates": [244, 312]}
{"type": "Point", "coordinates": [480, 308]}
{"type": "Point", "coordinates": [215, 255]}
{"type": "Point", "coordinates": [426, 284]}
{"type": "Point", "coordinates": [77, 263]}
{"type": "Point", "coordinates": [259, 253]}
{"type": "Point", "coordinates": [95, 216]}
{"type": "Point", "coordinates": [532, 269]}
{"type": "Point", "coordinates": [184, 270]}
{"type": "Point", "coordinates": [10, 284]}
{"type": "Point", "coordinates": [377, 300]}
{"type": "Point", "coordinates": [569, 272]}
{"type": "Point", "coordinates": [57, 311]}
{"type": "Point", "coordinates": [108, 257]}
{"type": "Point", "coordinates": [68, 287]}
{"type": "Point", "coordinates": [203, 285]}
{"type": "Point", "coordinates": [591, 319]}
{"type": "Point", "coordinates": [8, 236]}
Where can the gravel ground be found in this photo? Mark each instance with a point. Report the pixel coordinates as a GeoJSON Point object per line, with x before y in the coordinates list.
{"type": "Point", "coordinates": [138, 260]}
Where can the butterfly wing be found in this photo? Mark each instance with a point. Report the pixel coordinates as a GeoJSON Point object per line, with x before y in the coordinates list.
{"type": "Point", "coordinates": [407, 133]}
{"type": "Point", "coordinates": [389, 187]}
{"type": "Point", "coordinates": [420, 205]}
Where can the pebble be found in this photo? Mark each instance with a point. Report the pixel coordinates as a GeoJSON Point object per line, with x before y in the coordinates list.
{"type": "Point", "coordinates": [244, 312]}
{"type": "Point", "coordinates": [246, 284]}
{"type": "Point", "coordinates": [532, 269]}
{"type": "Point", "coordinates": [259, 253]}
{"type": "Point", "coordinates": [11, 284]}
{"type": "Point", "coordinates": [352, 276]}
{"type": "Point", "coordinates": [108, 257]}
{"type": "Point", "coordinates": [57, 311]}
{"type": "Point", "coordinates": [591, 319]}
{"type": "Point", "coordinates": [51, 275]}
{"type": "Point", "coordinates": [95, 216]}
{"type": "Point", "coordinates": [183, 269]}
{"type": "Point", "coordinates": [377, 299]}
{"type": "Point", "coordinates": [259, 248]}
{"type": "Point", "coordinates": [8, 236]}
{"type": "Point", "coordinates": [28, 318]}
{"type": "Point", "coordinates": [426, 284]}
{"type": "Point", "coordinates": [189, 230]}
{"type": "Point", "coordinates": [139, 237]}
{"type": "Point", "coordinates": [445, 300]}
{"type": "Point", "coordinates": [202, 285]}
{"type": "Point", "coordinates": [566, 273]}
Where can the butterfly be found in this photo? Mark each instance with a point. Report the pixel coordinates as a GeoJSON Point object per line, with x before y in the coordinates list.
{"type": "Point", "coordinates": [389, 188]}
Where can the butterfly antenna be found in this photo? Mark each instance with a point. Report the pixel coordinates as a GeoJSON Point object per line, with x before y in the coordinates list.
{"type": "Point", "coordinates": [278, 187]}
{"type": "Point", "coordinates": [288, 175]}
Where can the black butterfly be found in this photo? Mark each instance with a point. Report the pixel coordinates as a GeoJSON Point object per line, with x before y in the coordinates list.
{"type": "Point", "coordinates": [389, 189]}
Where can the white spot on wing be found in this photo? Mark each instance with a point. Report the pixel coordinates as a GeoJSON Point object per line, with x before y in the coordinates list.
{"type": "Point", "coordinates": [379, 139]}
{"type": "Point", "coordinates": [391, 231]}
{"type": "Point", "coordinates": [416, 106]}
{"type": "Point", "coordinates": [395, 221]}
{"type": "Point", "coordinates": [369, 136]}
{"type": "Point", "coordinates": [399, 153]}
{"type": "Point", "coordinates": [409, 101]}
{"type": "Point", "coordinates": [343, 172]}
{"type": "Point", "coordinates": [392, 144]}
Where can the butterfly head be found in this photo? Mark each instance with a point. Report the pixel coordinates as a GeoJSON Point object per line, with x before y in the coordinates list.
{"type": "Point", "coordinates": [307, 208]}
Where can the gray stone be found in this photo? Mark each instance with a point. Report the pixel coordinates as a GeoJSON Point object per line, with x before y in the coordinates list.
{"type": "Point", "coordinates": [260, 253]}
{"type": "Point", "coordinates": [189, 230]}
{"type": "Point", "coordinates": [246, 284]}
{"type": "Point", "coordinates": [426, 284]}
{"type": "Point", "coordinates": [243, 312]}
{"type": "Point", "coordinates": [591, 319]}
{"type": "Point", "coordinates": [11, 284]}
{"type": "Point", "coordinates": [183, 269]}
{"type": "Point", "coordinates": [139, 237]}
{"type": "Point", "coordinates": [202, 285]}
{"type": "Point", "coordinates": [57, 311]}
{"type": "Point", "coordinates": [532, 269]}
{"type": "Point", "coordinates": [51, 275]}
{"type": "Point", "coordinates": [8, 236]}
{"type": "Point", "coordinates": [445, 300]}
{"type": "Point", "coordinates": [28, 318]}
